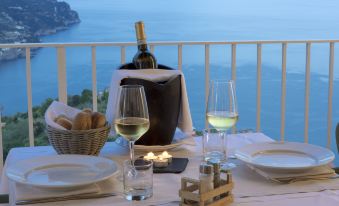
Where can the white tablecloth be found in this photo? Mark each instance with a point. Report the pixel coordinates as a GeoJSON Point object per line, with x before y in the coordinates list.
{"type": "Point", "coordinates": [166, 186]}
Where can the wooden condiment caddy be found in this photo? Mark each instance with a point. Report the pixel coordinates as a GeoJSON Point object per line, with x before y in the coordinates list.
{"type": "Point", "coordinates": [190, 193]}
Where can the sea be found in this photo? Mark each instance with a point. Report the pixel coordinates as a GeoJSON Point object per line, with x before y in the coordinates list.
{"type": "Point", "coordinates": [200, 20]}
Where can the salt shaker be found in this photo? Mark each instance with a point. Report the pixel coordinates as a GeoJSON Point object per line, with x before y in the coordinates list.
{"type": "Point", "coordinates": [216, 174]}
{"type": "Point", "coordinates": [206, 178]}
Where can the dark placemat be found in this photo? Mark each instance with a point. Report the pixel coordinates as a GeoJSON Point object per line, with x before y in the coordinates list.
{"type": "Point", "coordinates": [177, 165]}
{"type": "Point", "coordinates": [4, 198]}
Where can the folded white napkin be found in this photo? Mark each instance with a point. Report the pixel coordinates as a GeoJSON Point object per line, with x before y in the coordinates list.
{"type": "Point", "coordinates": [293, 176]}
{"type": "Point", "coordinates": [184, 121]}
{"type": "Point", "coordinates": [56, 109]}
{"type": "Point", "coordinates": [26, 192]}
{"type": "Point", "coordinates": [179, 139]}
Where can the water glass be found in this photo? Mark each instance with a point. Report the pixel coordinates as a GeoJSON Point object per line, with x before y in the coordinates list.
{"type": "Point", "coordinates": [214, 146]}
{"type": "Point", "coordinates": [138, 179]}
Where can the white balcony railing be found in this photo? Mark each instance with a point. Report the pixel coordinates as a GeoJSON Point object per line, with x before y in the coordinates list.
{"type": "Point", "coordinates": [62, 83]}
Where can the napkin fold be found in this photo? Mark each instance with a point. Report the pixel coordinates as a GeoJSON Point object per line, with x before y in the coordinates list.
{"type": "Point", "coordinates": [322, 172]}
{"type": "Point", "coordinates": [56, 109]}
{"type": "Point", "coordinates": [156, 75]}
{"type": "Point", "coordinates": [27, 192]}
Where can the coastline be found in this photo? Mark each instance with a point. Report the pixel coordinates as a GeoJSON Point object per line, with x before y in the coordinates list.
{"type": "Point", "coordinates": [27, 21]}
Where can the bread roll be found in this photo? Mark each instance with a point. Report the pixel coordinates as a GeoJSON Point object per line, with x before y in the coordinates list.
{"type": "Point", "coordinates": [98, 120]}
{"type": "Point", "coordinates": [65, 123]}
{"type": "Point", "coordinates": [82, 121]}
{"type": "Point", "coordinates": [62, 116]}
{"type": "Point", "coordinates": [87, 110]}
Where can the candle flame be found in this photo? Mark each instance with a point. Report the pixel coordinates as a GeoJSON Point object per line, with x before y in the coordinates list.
{"type": "Point", "coordinates": [150, 154]}
{"type": "Point", "coordinates": [165, 153]}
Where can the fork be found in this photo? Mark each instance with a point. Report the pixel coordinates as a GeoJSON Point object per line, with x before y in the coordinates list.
{"type": "Point", "coordinates": [71, 197]}
{"type": "Point", "coordinates": [291, 180]}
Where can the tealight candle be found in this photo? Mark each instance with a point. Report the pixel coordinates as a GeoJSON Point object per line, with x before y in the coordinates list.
{"type": "Point", "coordinates": [160, 162]}
{"type": "Point", "coordinates": [150, 156]}
{"type": "Point", "coordinates": [167, 156]}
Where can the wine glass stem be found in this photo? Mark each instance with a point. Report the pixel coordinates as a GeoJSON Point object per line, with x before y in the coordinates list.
{"type": "Point", "coordinates": [131, 152]}
{"type": "Point", "coordinates": [224, 142]}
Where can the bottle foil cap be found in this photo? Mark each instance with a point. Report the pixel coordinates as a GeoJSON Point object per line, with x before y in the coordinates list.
{"type": "Point", "coordinates": [140, 30]}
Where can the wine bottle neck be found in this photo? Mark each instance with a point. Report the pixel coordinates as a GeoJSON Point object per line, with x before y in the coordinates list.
{"type": "Point", "coordinates": [142, 46]}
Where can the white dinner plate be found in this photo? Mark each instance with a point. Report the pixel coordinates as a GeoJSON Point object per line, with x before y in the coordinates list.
{"type": "Point", "coordinates": [61, 171]}
{"type": "Point", "coordinates": [285, 156]}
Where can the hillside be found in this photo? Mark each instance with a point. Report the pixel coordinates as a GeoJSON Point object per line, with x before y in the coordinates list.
{"type": "Point", "coordinates": [23, 21]}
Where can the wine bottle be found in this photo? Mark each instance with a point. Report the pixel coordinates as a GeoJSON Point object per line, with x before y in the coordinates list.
{"type": "Point", "coordinates": [143, 59]}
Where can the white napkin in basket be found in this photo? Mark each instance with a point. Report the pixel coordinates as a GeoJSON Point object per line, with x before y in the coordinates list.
{"type": "Point", "coordinates": [56, 109]}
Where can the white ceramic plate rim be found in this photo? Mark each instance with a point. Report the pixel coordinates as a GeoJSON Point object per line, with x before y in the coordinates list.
{"type": "Point", "coordinates": [321, 154]}
{"type": "Point", "coordinates": [18, 170]}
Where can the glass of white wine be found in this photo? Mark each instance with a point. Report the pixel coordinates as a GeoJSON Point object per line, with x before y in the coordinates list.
{"type": "Point", "coordinates": [131, 116]}
{"type": "Point", "coordinates": [222, 112]}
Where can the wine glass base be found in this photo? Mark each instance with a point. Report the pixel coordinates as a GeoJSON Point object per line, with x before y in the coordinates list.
{"type": "Point", "coordinates": [227, 166]}
{"type": "Point", "coordinates": [232, 157]}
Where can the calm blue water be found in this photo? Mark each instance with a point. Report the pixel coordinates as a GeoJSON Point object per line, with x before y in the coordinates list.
{"type": "Point", "coordinates": [199, 20]}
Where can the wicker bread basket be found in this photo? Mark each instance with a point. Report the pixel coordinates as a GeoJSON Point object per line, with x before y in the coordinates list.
{"type": "Point", "coordinates": [85, 142]}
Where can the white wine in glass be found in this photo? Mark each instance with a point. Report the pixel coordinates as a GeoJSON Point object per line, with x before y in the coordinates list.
{"type": "Point", "coordinates": [131, 128]}
{"type": "Point", "coordinates": [222, 120]}
{"type": "Point", "coordinates": [222, 112]}
{"type": "Point", "coordinates": [131, 116]}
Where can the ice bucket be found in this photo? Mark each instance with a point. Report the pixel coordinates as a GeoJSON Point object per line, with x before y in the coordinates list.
{"type": "Point", "coordinates": [163, 100]}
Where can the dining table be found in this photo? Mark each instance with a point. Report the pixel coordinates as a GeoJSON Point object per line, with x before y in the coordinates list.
{"type": "Point", "coordinates": [250, 188]}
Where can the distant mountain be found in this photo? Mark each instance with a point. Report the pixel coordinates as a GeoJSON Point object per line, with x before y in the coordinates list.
{"type": "Point", "coordinates": [24, 21]}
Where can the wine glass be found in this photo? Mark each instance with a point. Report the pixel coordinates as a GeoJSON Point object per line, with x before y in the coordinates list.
{"type": "Point", "coordinates": [131, 116]}
{"type": "Point", "coordinates": [222, 112]}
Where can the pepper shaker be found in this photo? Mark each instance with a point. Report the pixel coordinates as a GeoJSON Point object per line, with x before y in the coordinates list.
{"type": "Point", "coordinates": [216, 174]}
{"type": "Point", "coordinates": [216, 171]}
{"type": "Point", "coordinates": [228, 180]}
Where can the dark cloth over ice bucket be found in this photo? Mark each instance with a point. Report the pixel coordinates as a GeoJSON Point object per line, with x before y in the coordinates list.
{"type": "Point", "coordinates": [163, 100]}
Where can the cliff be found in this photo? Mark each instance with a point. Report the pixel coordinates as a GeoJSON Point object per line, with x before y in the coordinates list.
{"type": "Point", "coordinates": [23, 21]}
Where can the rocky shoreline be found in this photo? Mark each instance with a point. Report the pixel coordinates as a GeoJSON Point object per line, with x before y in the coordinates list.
{"type": "Point", "coordinates": [23, 21]}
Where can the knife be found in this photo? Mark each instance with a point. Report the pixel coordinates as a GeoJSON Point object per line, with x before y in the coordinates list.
{"type": "Point", "coordinates": [72, 197]}
{"type": "Point", "coordinates": [4, 198]}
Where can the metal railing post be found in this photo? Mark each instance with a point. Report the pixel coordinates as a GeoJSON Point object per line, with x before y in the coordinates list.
{"type": "Point", "coordinates": [94, 80]}
{"type": "Point", "coordinates": [62, 83]}
{"type": "Point", "coordinates": [122, 55]}
{"type": "Point", "coordinates": [283, 92]}
{"type": "Point", "coordinates": [180, 57]}
{"type": "Point", "coordinates": [1, 143]}
{"type": "Point", "coordinates": [234, 62]}
{"type": "Point", "coordinates": [258, 87]}
{"type": "Point", "coordinates": [29, 97]}
{"type": "Point", "coordinates": [330, 94]}
{"type": "Point", "coordinates": [207, 77]}
{"type": "Point", "coordinates": [307, 89]}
